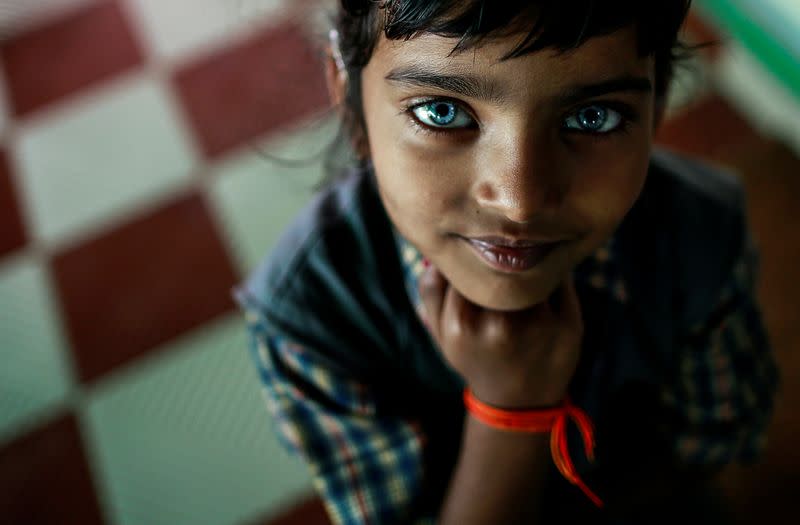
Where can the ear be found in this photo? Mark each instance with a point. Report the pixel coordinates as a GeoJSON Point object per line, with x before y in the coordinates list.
{"type": "Point", "coordinates": [335, 76]}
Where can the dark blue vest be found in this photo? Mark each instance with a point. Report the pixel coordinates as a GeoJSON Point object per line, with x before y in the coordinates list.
{"type": "Point", "coordinates": [334, 284]}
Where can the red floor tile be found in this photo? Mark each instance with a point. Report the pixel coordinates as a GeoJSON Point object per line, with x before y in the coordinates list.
{"type": "Point", "coordinates": [766, 493]}
{"type": "Point", "coordinates": [56, 60]}
{"type": "Point", "coordinates": [45, 478]}
{"type": "Point", "coordinates": [141, 285]}
{"type": "Point", "coordinates": [710, 128]}
{"type": "Point", "coordinates": [241, 93]}
{"type": "Point", "coordinates": [12, 231]}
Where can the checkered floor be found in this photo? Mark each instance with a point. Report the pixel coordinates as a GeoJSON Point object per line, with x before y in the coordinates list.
{"type": "Point", "coordinates": [135, 190]}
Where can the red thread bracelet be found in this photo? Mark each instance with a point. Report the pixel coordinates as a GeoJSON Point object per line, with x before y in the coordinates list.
{"type": "Point", "coordinates": [553, 420]}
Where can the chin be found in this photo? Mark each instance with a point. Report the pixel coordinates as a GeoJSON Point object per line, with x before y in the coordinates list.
{"type": "Point", "coordinates": [508, 292]}
{"type": "Point", "coordinates": [508, 296]}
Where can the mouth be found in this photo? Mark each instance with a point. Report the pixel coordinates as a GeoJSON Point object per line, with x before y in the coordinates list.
{"type": "Point", "coordinates": [519, 257]}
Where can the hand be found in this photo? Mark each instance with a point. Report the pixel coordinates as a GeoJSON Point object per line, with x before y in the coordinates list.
{"type": "Point", "coordinates": [520, 359]}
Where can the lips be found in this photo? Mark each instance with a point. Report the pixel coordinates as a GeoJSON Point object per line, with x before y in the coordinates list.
{"type": "Point", "coordinates": [509, 242]}
{"type": "Point", "coordinates": [523, 256]}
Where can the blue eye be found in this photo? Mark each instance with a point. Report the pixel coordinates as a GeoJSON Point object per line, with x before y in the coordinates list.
{"type": "Point", "coordinates": [594, 119]}
{"type": "Point", "coordinates": [442, 114]}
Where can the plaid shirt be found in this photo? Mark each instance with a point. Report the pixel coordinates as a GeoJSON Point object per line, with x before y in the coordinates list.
{"type": "Point", "coordinates": [368, 468]}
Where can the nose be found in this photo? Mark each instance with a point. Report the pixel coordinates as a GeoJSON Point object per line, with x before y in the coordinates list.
{"type": "Point", "coordinates": [519, 181]}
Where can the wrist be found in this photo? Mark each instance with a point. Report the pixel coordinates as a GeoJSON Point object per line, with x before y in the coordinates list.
{"type": "Point", "coordinates": [552, 420]}
{"type": "Point", "coordinates": [515, 400]}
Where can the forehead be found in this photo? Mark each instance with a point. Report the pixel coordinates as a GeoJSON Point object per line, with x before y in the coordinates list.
{"type": "Point", "coordinates": [598, 58]}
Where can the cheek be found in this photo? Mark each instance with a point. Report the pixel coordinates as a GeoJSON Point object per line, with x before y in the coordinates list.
{"type": "Point", "coordinates": [608, 194]}
{"type": "Point", "coordinates": [418, 197]}
{"type": "Point", "coordinates": [416, 186]}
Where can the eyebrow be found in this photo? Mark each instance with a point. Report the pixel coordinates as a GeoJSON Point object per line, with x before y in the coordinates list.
{"type": "Point", "coordinates": [466, 85]}
{"type": "Point", "coordinates": [625, 83]}
{"type": "Point", "coordinates": [481, 89]}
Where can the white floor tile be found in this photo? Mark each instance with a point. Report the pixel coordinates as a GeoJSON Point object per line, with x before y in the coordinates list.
{"type": "Point", "coordinates": [178, 27]}
{"type": "Point", "coordinates": [92, 161]}
{"type": "Point", "coordinates": [185, 437]}
{"type": "Point", "coordinates": [34, 375]}
{"type": "Point", "coordinates": [257, 197]}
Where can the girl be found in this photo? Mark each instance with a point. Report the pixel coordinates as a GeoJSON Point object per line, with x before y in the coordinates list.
{"type": "Point", "coordinates": [514, 309]}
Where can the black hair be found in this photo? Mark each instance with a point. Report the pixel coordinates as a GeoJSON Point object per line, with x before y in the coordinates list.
{"type": "Point", "coordinates": [562, 25]}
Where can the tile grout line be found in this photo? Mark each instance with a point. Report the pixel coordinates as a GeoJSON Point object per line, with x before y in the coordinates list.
{"type": "Point", "coordinates": [39, 251]}
{"type": "Point", "coordinates": [200, 179]}
{"type": "Point", "coordinates": [161, 68]}
{"type": "Point", "coordinates": [156, 70]}
{"type": "Point", "coordinates": [265, 21]}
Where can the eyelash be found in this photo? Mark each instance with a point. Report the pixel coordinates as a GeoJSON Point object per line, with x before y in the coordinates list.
{"type": "Point", "coordinates": [627, 113]}
{"type": "Point", "coordinates": [419, 126]}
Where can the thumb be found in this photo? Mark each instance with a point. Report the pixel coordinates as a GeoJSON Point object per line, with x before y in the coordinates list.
{"type": "Point", "coordinates": [569, 304]}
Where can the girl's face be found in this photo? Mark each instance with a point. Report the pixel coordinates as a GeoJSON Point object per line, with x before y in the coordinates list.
{"type": "Point", "coordinates": [546, 148]}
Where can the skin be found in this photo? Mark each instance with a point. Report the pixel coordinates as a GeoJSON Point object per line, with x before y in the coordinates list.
{"type": "Point", "coordinates": [516, 171]}
{"type": "Point", "coordinates": [520, 174]}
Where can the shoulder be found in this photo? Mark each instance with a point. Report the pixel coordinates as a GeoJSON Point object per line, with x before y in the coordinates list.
{"type": "Point", "coordinates": [705, 207]}
{"type": "Point", "coordinates": [684, 236]}
{"type": "Point", "coordinates": [304, 245]}
{"type": "Point", "coordinates": [695, 187]}
{"type": "Point", "coordinates": [332, 280]}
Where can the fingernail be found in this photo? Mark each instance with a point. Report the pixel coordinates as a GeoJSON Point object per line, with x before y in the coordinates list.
{"type": "Point", "coordinates": [425, 262]}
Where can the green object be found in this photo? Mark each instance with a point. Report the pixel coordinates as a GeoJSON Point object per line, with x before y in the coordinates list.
{"type": "Point", "coordinates": [761, 29]}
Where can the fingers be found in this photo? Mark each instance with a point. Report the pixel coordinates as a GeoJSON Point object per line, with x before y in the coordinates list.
{"type": "Point", "coordinates": [459, 316]}
{"type": "Point", "coordinates": [448, 314]}
{"type": "Point", "coordinates": [432, 287]}
{"type": "Point", "coordinates": [570, 306]}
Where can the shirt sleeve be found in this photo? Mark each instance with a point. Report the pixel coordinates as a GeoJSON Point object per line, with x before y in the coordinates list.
{"type": "Point", "coordinates": [366, 466]}
{"type": "Point", "coordinates": [727, 377]}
